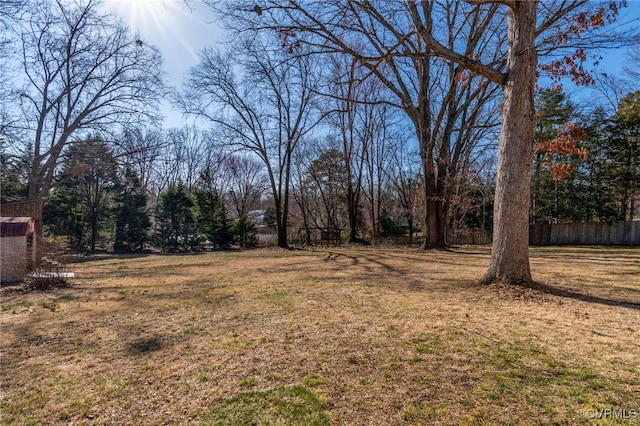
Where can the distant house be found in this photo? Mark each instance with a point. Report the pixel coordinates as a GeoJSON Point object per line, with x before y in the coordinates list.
{"type": "Point", "coordinates": [256, 216]}
{"type": "Point", "coordinates": [264, 233]}
{"type": "Point", "coordinates": [17, 247]}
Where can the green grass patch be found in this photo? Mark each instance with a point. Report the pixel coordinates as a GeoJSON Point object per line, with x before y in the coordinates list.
{"type": "Point", "coordinates": [293, 405]}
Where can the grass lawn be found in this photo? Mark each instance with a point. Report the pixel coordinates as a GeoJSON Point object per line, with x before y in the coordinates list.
{"type": "Point", "coordinates": [327, 336]}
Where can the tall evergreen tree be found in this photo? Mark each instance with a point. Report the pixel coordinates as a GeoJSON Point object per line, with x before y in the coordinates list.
{"type": "Point", "coordinates": [13, 179]}
{"type": "Point", "coordinates": [245, 232]}
{"type": "Point", "coordinates": [213, 219]}
{"type": "Point", "coordinates": [550, 196]}
{"type": "Point", "coordinates": [83, 195]}
{"type": "Point", "coordinates": [175, 219]}
{"type": "Point", "coordinates": [625, 154]}
{"type": "Point", "coordinates": [328, 182]}
{"type": "Point", "coordinates": [600, 203]}
{"type": "Point", "coordinates": [131, 215]}
{"type": "Point", "coordinates": [603, 184]}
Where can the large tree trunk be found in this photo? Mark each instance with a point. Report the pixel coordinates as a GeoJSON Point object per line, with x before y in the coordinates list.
{"type": "Point", "coordinates": [433, 197]}
{"type": "Point", "coordinates": [282, 215]}
{"type": "Point", "coordinates": [434, 212]}
{"type": "Point", "coordinates": [32, 189]}
{"type": "Point", "coordinates": [305, 220]}
{"type": "Point", "coordinates": [282, 236]}
{"type": "Point", "coordinates": [281, 224]}
{"type": "Point", "coordinates": [434, 203]}
{"type": "Point", "coordinates": [510, 253]}
{"type": "Point", "coordinates": [353, 204]}
{"type": "Point", "coordinates": [94, 230]}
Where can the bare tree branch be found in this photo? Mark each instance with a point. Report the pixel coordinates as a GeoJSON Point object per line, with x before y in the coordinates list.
{"type": "Point", "coordinates": [82, 71]}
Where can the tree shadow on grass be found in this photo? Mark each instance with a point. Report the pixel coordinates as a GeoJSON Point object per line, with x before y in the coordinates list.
{"type": "Point", "coordinates": [571, 294]}
{"type": "Point", "coordinates": [92, 257]}
{"type": "Point", "coordinates": [145, 345]}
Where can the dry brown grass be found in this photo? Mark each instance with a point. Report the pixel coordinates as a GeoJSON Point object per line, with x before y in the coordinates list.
{"type": "Point", "coordinates": [380, 336]}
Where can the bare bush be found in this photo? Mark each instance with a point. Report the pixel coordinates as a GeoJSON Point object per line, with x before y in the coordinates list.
{"type": "Point", "coordinates": [52, 270]}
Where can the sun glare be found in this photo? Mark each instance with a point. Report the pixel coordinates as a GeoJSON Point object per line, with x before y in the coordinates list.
{"type": "Point", "coordinates": [163, 23]}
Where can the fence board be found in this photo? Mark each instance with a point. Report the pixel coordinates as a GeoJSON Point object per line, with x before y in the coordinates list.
{"type": "Point", "coordinates": [470, 237]}
{"type": "Point", "coordinates": [587, 233]}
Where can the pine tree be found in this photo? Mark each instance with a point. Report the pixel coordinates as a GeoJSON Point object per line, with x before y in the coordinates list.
{"type": "Point", "coordinates": [550, 194]}
{"type": "Point", "coordinates": [131, 215]}
{"type": "Point", "coordinates": [213, 218]}
{"type": "Point", "coordinates": [624, 151]}
{"type": "Point", "coordinates": [80, 204]}
{"type": "Point", "coordinates": [244, 232]}
{"type": "Point", "coordinates": [600, 204]}
{"type": "Point", "coordinates": [175, 219]}
{"type": "Point", "coordinates": [13, 179]}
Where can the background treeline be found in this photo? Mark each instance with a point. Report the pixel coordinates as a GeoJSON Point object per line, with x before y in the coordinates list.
{"type": "Point", "coordinates": [288, 139]}
{"type": "Point", "coordinates": [591, 171]}
{"type": "Point", "coordinates": [175, 190]}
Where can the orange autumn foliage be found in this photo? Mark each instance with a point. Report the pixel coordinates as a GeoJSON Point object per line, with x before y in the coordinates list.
{"type": "Point", "coordinates": [559, 151]}
{"type": "Point", "coordinates": [573, 65]}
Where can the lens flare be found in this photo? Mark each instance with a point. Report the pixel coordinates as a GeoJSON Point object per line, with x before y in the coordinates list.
{"type": "Point", "coordinates": [162, 23]}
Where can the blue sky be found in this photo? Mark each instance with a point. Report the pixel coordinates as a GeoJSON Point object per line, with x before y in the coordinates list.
{"type": "Point", "coordinates": [177, 30]}
{"type": "Point", "coordinates": [181, 31]}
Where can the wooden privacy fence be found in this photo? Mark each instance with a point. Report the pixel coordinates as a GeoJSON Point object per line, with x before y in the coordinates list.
{"type": "Point", "coordinates": [470, 237]}
{"type": "Point", "coordinates": [587, 233]}
{"type": "Point", "coordinates": [318, 236]}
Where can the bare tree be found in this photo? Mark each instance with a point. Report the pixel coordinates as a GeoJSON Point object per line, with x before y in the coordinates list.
{"type": "Point", "coordinates": [248, 183]}
{"type": "Point", "coordinates": [633, 64]}
{"type": "Point", "coordinates": [376, 160]}
{"type": "Point", "coordinates": [10, 15]}
{"type": "Point", "coordinates": [301, 187]}
{"type": "Point", "coordinates": [472, 40]}
{"type": "Point", "coordinates": [142, 149]}
{"type": "Point", "coordinates": [403, 175]}
{"type": "Point", "coordinates": [262, 102]}
{"type": "Point", "coordinates": [356, 99]}
{"type": "Point", "coordinates": [555, 25]}
{"type": "Point", "coordinates": [614, 88]}
{"type": "Point", "coordinates": [82, 71]}
{"type": "Point", "coordinates": [380, 37]}
{"type": "Point", "coordinates": [188, 147]}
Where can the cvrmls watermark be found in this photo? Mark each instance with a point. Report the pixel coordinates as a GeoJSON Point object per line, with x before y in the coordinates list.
{"type": "Point", "coordinates": [610, 413]}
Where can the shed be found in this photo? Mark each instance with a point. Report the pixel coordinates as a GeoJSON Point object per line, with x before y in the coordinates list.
{"type": "Point", "coordinates": [324, 235]}
{"type": "Point", "coordinates": [17, 247]}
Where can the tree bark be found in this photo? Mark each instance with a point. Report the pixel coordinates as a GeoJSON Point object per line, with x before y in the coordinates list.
{"type": "Point", "coordinates": [281, 221]}
{"type": "Point", "coordinates": [353, 207]}
{"type": "Point", "coordinates": [510, 252]}
{"type": "Point", "coordinates": [282, 236]}
{"type": "Point", "coordinates": [434, 208]}
{"type": "Point", "coordinates": [433, 195]}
